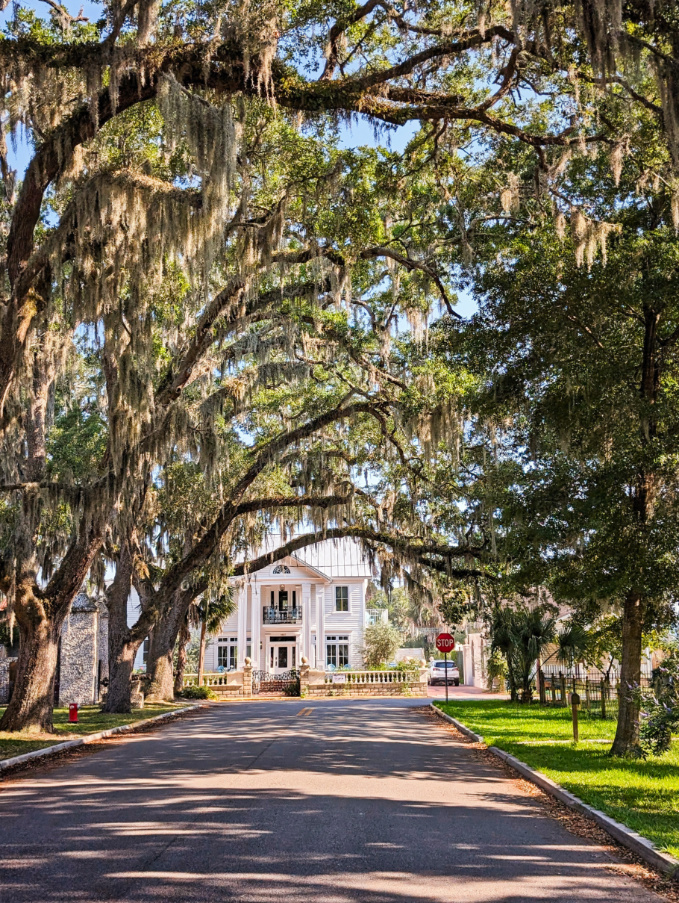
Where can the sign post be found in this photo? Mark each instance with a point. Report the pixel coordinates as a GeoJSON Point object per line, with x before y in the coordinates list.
{"type": "Point", "coordinates": [445, 643]}
{"type": "Point", "coordinates": [575, 702]}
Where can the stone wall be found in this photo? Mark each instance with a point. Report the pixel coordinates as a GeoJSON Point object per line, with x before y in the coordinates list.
{"type": "Point", "coordinates": [79, 655]}
{"type": "Point", "coordinates": [312, 684]}
{"type": "Point", "coordinates": [5, 663]}
{"type": "Point", "coordinates": [102, 641]}
{"type": "Point", "coordinates": [407, 688]}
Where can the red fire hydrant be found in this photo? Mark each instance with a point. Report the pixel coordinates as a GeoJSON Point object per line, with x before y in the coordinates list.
{"type": "Point", "coordinates": [73, 713]}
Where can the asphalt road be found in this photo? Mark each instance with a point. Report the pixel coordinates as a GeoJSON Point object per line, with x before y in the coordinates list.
{"type": "Point", "coordinates": [321, 802]}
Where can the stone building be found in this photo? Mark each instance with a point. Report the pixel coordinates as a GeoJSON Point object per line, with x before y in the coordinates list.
{"type": "Point", "coordinates": [83, 654]}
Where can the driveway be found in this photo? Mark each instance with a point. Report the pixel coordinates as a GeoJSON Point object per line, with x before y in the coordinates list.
{"type": "Point", "coordinates": [291, 801]}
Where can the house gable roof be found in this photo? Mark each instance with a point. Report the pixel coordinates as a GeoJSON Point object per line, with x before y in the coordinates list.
{"type": "Point", "coordinates": [288, 568]}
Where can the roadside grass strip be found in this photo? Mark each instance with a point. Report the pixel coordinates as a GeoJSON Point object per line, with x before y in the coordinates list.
{"type": "Point", "coordinates": [642, 794]}
{"type": "Point", "coordinates": [91, 720]}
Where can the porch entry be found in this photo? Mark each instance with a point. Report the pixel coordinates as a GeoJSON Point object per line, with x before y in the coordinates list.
{"type": "Point", "coordinates": [283, 599]}
{"type": "Point", "coordinates": [282, 654]}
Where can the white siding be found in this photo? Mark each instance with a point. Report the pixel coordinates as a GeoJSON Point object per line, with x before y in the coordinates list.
{"type": "Point", "coordinates": [133, 612]}
{"type": "Point", "coordinates": [346, 622]}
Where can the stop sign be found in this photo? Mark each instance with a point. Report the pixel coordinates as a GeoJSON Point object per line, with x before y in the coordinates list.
{"type": "Point", "coordinates": [445, 642]}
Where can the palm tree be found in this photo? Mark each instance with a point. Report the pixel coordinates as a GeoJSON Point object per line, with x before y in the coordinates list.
{"type": "Point", "coordinates": [522, 634]}
{"type": "Point", "coordinates": [572, 641]}
{"type": "Point", "coordinates": [208, 612]}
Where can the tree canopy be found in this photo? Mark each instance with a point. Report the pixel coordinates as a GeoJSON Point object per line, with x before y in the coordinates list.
{"type": "Point", "coordinates": [217, 318]}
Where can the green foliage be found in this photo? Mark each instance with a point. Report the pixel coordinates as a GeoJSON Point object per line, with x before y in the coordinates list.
{"type": "Point", "coordinates": [198, 693]}
{"type": "Point", "coordinates": [521, 634]}
{"type": "Point", "coordinates": [572, 642]}
{"type": "Point", "coordinates": [76, 443]}
{"type": "Point", "coordinates": [380, 642]}
{"type": "Point", "coordinates": [407, 666]}
{"type": "Point", "coordinates": [660, 707]}
{"type": "Point", "coordinates": [292, 687]}
{"type": "Point", "coordinates": [496, 669]}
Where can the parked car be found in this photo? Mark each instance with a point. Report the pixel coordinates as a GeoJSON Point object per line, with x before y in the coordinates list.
{"type": "Point", "coordinates": [437, 673]}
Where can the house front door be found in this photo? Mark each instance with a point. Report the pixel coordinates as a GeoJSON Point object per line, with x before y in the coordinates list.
{"type": "Point", "coordinates": [282, 654]}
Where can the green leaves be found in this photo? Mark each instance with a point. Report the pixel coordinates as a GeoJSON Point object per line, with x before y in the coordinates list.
{"type": "Point", "coordinates": [76, 444]}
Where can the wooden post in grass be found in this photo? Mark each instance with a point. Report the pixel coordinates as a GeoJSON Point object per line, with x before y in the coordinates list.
{"type": "Point", "coordinates": [603, 699]}
{"type": "Point", "coordinates": [541, 685]}
{"type": "Point", "coordinates": [575, 702]}
{"type": "Point", "coordinates": [564, 698]}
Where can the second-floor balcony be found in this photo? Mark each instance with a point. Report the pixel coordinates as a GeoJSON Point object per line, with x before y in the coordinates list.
{"type": "Point", "coordinates": [282, 615]}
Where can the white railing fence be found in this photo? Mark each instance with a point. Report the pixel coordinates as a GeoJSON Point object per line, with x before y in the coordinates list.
{"type": "Point", "coordinates": [372, 677]}
{"type": "Point", "coordinates": [215, 679]}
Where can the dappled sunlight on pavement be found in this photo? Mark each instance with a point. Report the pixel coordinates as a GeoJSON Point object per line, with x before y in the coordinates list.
{"type": "Point", "coordinates": [368, 801]}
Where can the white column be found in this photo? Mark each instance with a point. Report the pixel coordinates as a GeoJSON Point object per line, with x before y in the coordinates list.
{"type": "Point", "coordinates": [255, 623]}
{"type": "Point", "coordinates": [320, 627]}
{"type": "Point", "coordinates": [306, 621]}
{"type": "Point", "coordinates": [242, 624]}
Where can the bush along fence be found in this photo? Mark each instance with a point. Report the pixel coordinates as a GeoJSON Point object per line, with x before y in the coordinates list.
{"type": "Point", "coordinates": [598, 694]}
{"type": "Point", "coordinates": [308, 681]}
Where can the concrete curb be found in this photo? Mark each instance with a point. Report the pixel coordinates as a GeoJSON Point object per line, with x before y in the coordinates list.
{"type": "Point", "coordinates": [638, 844]}
{"type": "Point", "coordinates": [458, 724]}
{"type": "Point", "coordinates": [91, 738]}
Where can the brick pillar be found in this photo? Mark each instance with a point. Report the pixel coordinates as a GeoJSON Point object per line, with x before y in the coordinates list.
{"type": "Point", "coordinates": [304, 669]}
{"type": "Point", "coordinates": [247, 677]}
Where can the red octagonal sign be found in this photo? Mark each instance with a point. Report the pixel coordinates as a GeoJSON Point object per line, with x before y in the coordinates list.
{"type": "Point", "coordinates": [445, 642]}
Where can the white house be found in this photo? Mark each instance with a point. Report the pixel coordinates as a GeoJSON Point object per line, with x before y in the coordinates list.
{"type": "Point", "coordinates": [309, 604]}
{"type": "Point", "coordinates": [312, 605]}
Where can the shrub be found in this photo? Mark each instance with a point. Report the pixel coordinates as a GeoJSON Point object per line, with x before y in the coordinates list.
{"type": "Point", "coordinates": [496, 668]}
{"type": "Point", "coordinates": [408, 666]}
{"type": "Point", "coordinates": [198, 693]}
{"type": "Point", "coordinates": [381, 643]}
{"type": "Point", "coordinates": [292, 688]}
{"type": "Point", "coordinates": [660, 707]}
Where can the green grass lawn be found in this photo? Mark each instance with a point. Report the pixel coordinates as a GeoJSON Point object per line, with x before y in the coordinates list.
{"type": "Point", "coordinates": [644, 795]}
{"type": "Point", "coordinates": [91, 720]}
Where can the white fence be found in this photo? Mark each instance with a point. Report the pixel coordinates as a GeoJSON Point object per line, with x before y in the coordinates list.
{"type": "Point", "coordinates": [372, 677]}
{"type": "Point", "coordinates": [215, 679]}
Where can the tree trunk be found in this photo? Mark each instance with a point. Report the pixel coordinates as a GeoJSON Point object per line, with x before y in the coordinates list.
{"type": "Point", "coordinates": [123, 642]}
{"type": "Point", "coordinates": [626, 743]}
{"type": "Point", "coordinates": [30, 708]}
{"type": "Point", "coordinates": [120, 667]}
{"type": "Point", "coordinates": [201, 651]}
{"type": "Point", "coordinates": [159, 671]}
{"type": "Point", "coordinates": [184, 638]}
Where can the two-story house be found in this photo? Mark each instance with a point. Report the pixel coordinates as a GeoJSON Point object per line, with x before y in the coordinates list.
{"type": "Point", "coordinates": [310, 604]}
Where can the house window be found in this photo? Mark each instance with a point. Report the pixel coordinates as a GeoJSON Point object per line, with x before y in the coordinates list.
{"type": "Point", "coordinates": [227, 653]}
{"type": "Point", "coordinates": [337, 651]}
{"type": "Point", "coordinates": [341, 598]}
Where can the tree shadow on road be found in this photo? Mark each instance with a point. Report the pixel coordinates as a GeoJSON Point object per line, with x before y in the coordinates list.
{"type": "Point", "coordinates": [242, 804]}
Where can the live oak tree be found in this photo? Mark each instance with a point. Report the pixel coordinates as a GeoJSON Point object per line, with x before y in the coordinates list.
{"type": "Point", "coordinates": [575, 349]}
{"type": "Point", "coordinates": [156, 392]}
{"type": "Point", "coordinates": [114, 226]}
{"type": "Point", "coordinates": [454, 62]}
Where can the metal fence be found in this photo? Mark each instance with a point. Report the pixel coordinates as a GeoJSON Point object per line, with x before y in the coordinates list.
{"type": "Point", "coordinates": [598, 695]}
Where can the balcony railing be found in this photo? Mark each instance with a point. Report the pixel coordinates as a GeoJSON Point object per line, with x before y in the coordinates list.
{"type": "Point", "coordinates": [282, 615]}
